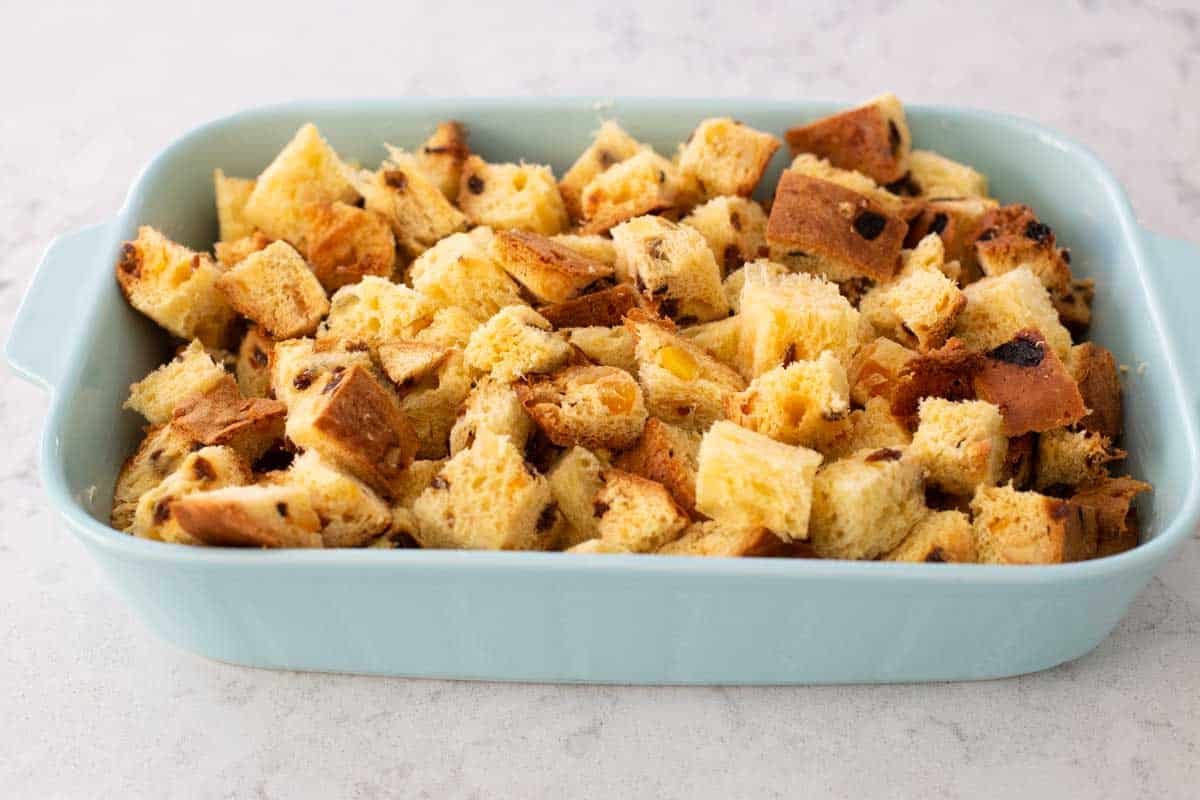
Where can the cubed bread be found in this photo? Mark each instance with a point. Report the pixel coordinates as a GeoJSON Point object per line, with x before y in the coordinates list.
{"type": "Point", "coordinates": [682, 383]}
{"type": "Point", "coordinates": [344, 244]}
{"type": "Point", "coordinates": [956, 221]}
{"type": "Point", "coordinates": [354, 422]}
{"type": "Point", "coordinates": [735, 280]}
{"type": "Point", "coordinates": [192, 371]}
{"type": "Point", "coordinates": [613, 347]}
{"type": "Point", "coordinates": [593, 246]}
{"type": "Point", "coordinates": [937, 176]}
{"type": "Point", "coordinates": [604, 308]}
{"type": "Point", "coordinates": [350, 513]}
{"type": "Point", "coordinates": [999, 306]}
{"type": "Point", "coordinates": [203, 470]}
{"type": "Point", "coordinates": [722, 338]}
{"type": "Point", "coordinates": [297, 364]}
{"type": "Point", "coordinates": [231, 253]}
{"type": "Point", "coordinates": [596, 547]}
{"type": "Point", "coordinates": [668, 455]}
{"type": "Point", "coordinates": [275, 288]}
{"type": "Point", "coordinates": [941, 536]}
{"type": "Point", "coordinates": [792, 317]}
{"type": "Point", "coordinates": [221, 416]}
{"type": "Point", "coordinates": [253, 366]}
{"type": "Point", "coordinates": [816, 167]}
{"type": "Point", "coordinates": [1014, 527]}
{"type": "Point", "coordinates": [1074, 305]}
{"type": "Point", "coordinates": [574, 481]}
{"type": "Point", "coordinates": [713, 539]}
{"type": "Point", "coordinates": [819, 227]}
{"type": "Point", "coordinates": [876, 368]}
{"type": "Point", "coordinates": [641, 184]}
{"type": "Point", "coordinates": [232, 194]}
{"type": "Point", "coordinates": [1106, 512]}
{"type": "Point", "coordinates": [637, 514]}
{"type": "Point", "coordinates": [249, 516]}
{"type": "Point", "coordinates": [415, 481]}
{"type": "Point", "coordinates": [432, 404]}
{"type": "Point", "coordinates": [442, 156]}
{"type": "Point", "coordinates": [597, 407]}
{"type": "Point", "coordinates": [746, 479]}
{"type": "Point", "coordinates": [863, 506]}
{"type": "Point", "coordinates": [176, 287]}
{"type": "Point", "coordinates": [873, 139]}
{"type": "Point", "coordinates": [552, 272]}
{"type": "Point", "coordinates": [516, 341]}
{"type": "Point", "coordinates": [487, 498]}
{"type": "Point", "coordinates": [804, 403]}
{"type": "Point", "coordinates": [948, 372]}
{"type": "Point", "coordinates": [307, 170]}
{"type": "Point", "coordinates": [451, 327]}
{"type": "Point", "coordinates": [671, 265]}
{"type": "Point", "coordinates": [412, 204]}
{"type": "Point", "coordinates": [406, 363]}
{"type": "Point", "coordinates": [160, 453]}
{"type": "Point", "coordinates": [1095, 372]}
{"type": "Point", "coordinates": [375, 310]}
{"type": "Point", "coordinates": [511, 196]}
{"type": "Point", "coordinates": [961, 445]}
{"type": "Point", "coordinates": [458, 271]}
{"type": "Point", "coordinates": [1012, 237]}
{"type": "Point", "coordinates": [735, 229]}
{"type": "Point", "coordinates": [1067, 458]}
{"type": "Point", "coordinates": [725, 157]}
{"type": "Point", "coordinates": [611, 145]}
{"type": "Point", "coordinates": [872, 427]}
{"type": "Point", "coordinates": [1032, 387]}
{"type": "Point", "coordinates": [920, 307]}
{"type": "Point", "coordinates": [492, 405]}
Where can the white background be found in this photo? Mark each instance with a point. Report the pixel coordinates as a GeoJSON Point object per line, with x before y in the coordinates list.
{"type": "Point", "coordinates": [91, 706]}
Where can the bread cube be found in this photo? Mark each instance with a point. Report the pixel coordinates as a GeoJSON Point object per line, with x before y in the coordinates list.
{"type": "Point", "coordinates": [712, 539]}
{"type": "Point", "coordinates": [307, 170]}
{"type": "Point", "coordinates": [221, 416]}
{"type": "Point", "coordinates": [611, 145]}
{"type": "Point", "coordinates": [1012, 237]}
{"type": "Point", "coordinates": [736, 280]}
{"type": "Point", "coordinates": [486, 498]}
{"type": "Point", "coordinates": [451, 327]}
{"type": "Point", "coordinates": [412, 204]}
{"type": "Point", "coordinates": [203, 470]}
{"type": "Point", "coordinates": [938, 176]}
{"type": "Point", "coordinates": [596, 547]}
{"type": "Point", "coordinates": [726, 157]}
{"type": "Point", "coordinates": [159, 454]}
{"type": "Point", "coordinates": [511, 196]}
{"type": "Point", "coordinates": [232, 194]}
{"type": "Point", "coordinates": [253, 365]}
{"type": "Point", "coordinates": [956, 221]}
{"type": "Point", "coordinates": [641, 184]}
{"type": "Point", "coordinates": [175, 287]}
{"type": "Point", "coordinates": [574, 481]}
{"type": "Point", "coordinates": [792, 317]}
{"type": "Point", "coordinates": [813, 166]}
{"type": "Point", "coordinates": [682, 383]}
{"type": "Point", "coordinates": [441, 157]}
{"type": "Point", "coordinates": [612, 347]}
{"type": "Point", "coordinates": [249, 516]}
{"type": "Point", "coordinates": [1095, 372]}
{"type": "Point", "coordinates": [276, 289]}
{"type": "Point", "coordinates": [432, 404]}
{"type": "Point", "coordinates": [604, 308]}
{"type": "Point", "coordinates": [921, 305]}
{"type": "Point", "coordinates": [872, 139]}
{"type": "Point", "coordinates": [1029, 383]}
{"type": "Point", "coordinates": [999, 306]}
{"type": "Point", "coordinates": [875, 370]}
{"type": "Point", "coordinates": [593, 246]}
{"type": "Point", "coordinates": [636, 514]}
{"type": "Point", "coordinates": [746, 479]}
{"type": "Point", "coordinates": [1014, 527]}
{"type": "Point", "coordinates": [735, 229]}
{"type": "Point", "coordinates": [941, 536]}
{"type": "Point", "coordinates": [722, 338]}
{"type": "Point", "coordinates": [804, 403]}
{"type": "Point", "coordinates": [961, 445]}
{"type": "Point", "coordinates": [596, 407]}
{"type": "Point", "coordinates": [1074, 305]}
{"type": "Point", "coordinates": [667, 455]}
{"type": "Point", "coordinates": [492, 405]}
{"type": "Point", "coordinates": [873, 427]}
{"type": "Point", "coordinates": [550, 271]}
{"type": "Point", "coordinates": [406, 363]}
{"type": "Point", "coordinates": [864, 506]}
{"type": "Point", "coordinates": [459, 272]}
{"type": "Point", "coordinates": [357, 424]}
{"type": "Point", "coordinates": [350, 513]}
{"type": "Point", "coordinates": [516, 341]}
{"type": "Point", "coordinates": [375, 310]}
{"type": "Point", "coordinates": [297, 364]}
{"type": "Point", "coordinates": [344, 244]}
{"type": "Point", "coordinates": [671, 265]}
{"type": "Point", "coordinates": [1067, 458]}
{"type": "Point", "coordinates": [192, 371]}
{"type": "Point", "coordinates": [1106, 513]}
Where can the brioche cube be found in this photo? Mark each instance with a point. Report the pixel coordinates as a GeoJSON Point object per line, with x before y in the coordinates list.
{"type": "Point", "coordinates": [350, 513]}
{"type": "Point", "coordinates": [813, 166]}
{"type": "Point", "coordinates": [344, 244]}
{"type": "Point", "coordinates": [961, 445]}
{"type": "Point", "coordinates": [722, 338]}
{"type": "Point", "coordinates": [873, 427]}
{"type": "Point", "coordinates": [221, 416]}
{"type": "Point", "coordinates": [713, 539]}
{"type": "Point", "coordinates": [253, 366]}
{"type": "Point", "coordinates": [668, 455]}
{"type": "Point", "coordinates": [736, 280]}
{"type": "Point", "coordinates": [459, 272]}
{"type": "Point", "coordinates": [432, 404]}
{"type": "Point", "coordinates": [231, 253]}
{"type": "Point", "coordinates": [604, 308]}
{"type": "Point", "coordinates": [249, 516]}
{"type": "Point", "coordinates": [1095, 372]}
{"type": "Point", "coordinates": [516, 341]}
{"type": "Point", "coordinates": [408, 362]}
{"type": "Point", "coordinates": [613, 347]}
{"type": "Point", "coordinates": [1011, 237]}
{"type": "Point", "coordinates": [1014, 527]}
{"type": "Point", "coordinates": [746, 479]}
{"type": "Point", "coordinates": [275, 288]}
{"type": "Point", "coordinates": [297, 365]}
{"type": "Point", "coordinates": [176, 287]}
{"type": "Point", "coordinates": [451, 327]}
{"type": "Point", "coordinates": [203, 470]}
{"type": "Point", "coordinates": [597, 547]}
{"type": "Point", "coordinates": [671, 265]}
{"type": "Point", "coordinates": [1029, 383]}
{"type": "Point", "coordinates": [441, 157]}
{"type": "Point", "coordinates": [804, 403]}
{"type": "Point", "coordinates": [1106, 513]}
{"type": "Point", "coordinates": [413, 206]}
{"type": "Point", "coordinates": [735, 229]}
{"type": "Point", "coordinates": [1073, 303]}
{"type": "Point", "coordinates": [938, 176]}
{"type": "Point", "coordinates": [876, 369]}
{"type": "Point", "coordinates": [552, 272]}
{"type": "Point", "coordinates": [941, 536]}
{"type": "Point", "coordinates": [682, 383]}
{"type": "Point", "coordinates": [307, 170]}
{"type": "Point", "coordinates": [956, 221]}
{"type": "Point", "coordinates": [1072, 458]}
{"type": "Point", "coordinates": [726, 157]}
{"type": "Point", "coordinates": [593, 246]}
{"type": "Point", "coordinates": [596, 407]}
{"type": "Point", "coordinates": [232, 194]}
{"type": "Point", "coordinates": [416, 480]}
{"type": "Point", "coordinates": [504, 196]}
{"type": "Point", "coordinates": [486, 498]}
{"type": "Point", "coordinates": [872, 139]}
{"type": "Point", "coordinates": [792, 317]}
{"type": "Point", "coordinates": [375, 310]}
{"type": "Point", "coordinates": [192, 371]}
{"type": "Point", "coordinates": [574, 481]}
{"type": "Point", "coordinates": [636, 514]}
{"type": "Point", "coordinates": [492, 405]}
{"type": "Point", "coordinates": [863, 506]}
{"type": "Point", "coordinates": [641, 184]}
{"type": "Point", "coordinates": [920, 307]}
{"type": "Point", "coordinates": [1000, 306]}
{"type": "Point", "coordinates": [159, 454]}
{"type": "Point", "coordinates": [611, 145]}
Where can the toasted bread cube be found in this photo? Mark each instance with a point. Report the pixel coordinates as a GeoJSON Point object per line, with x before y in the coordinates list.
{"type": "Point", "coordinates": [792, 317]}
{"type": "Point", "coordinates": [375, 310]}
{"type": "Point", "coordinates": [610, 146]}
{"type": "Point", "coordinates": [682, 383]}
{"type": "Point", "coordinates": [956, 221]}
{"type": "Point", "coordinates": [344, 244]}
{"type": "Point", "coordinates": [920, 306]}
{"type": "Point", "coordinates": [414, 207]}
{"type": "Point", "coordinates": [1014, 527]}
{"type": "Point", "coordinates": [451, 327]}
{"type": "Point", "coordinates": [1095, 371]}
{"type": "Point", "coordinates": [819, 227]}
{"type": "Point", "coordinates": [722, 338]}
{"type": "Point", "coordinates": [459, 272]}
{"type": "Point", "coordinates": [416, 480]}
{"type": "Point", "coordinates": [604, 308]}
{"type": "Point", "coordinates": [736, 280]}
{"type": "Point", "coordinates": [350, 513]}
{"type": "Point", "coordinates": [668, 455]}
{"type": "Point", "coordinates": [596, 407]}
{"type": "Point", "coordinates": [804, 403]}
{"type": "Point", "coordinates": [408, 362]}
{"type": "Point", "coordinates": [749, 480]}
{"type": "Point", "coordinates": [486, 498]}
{"type": "Point", "coordinates": [192, 371]}
{"type": "Point", "coordinates": [221, 416]}
{"type": "Point", "coordinates": [596, 547]}
{"type": "Point", "coordinates": [726, 157]}
{"type": "Point", "coordinates": [159, 454]}
{"type": "Point", "coordinates": [1107, 514]}
{"type": "Point", "coordinates": [636, 514]}
{"type": "Point", "coordinates": [175, 287]}
{"type": "Point", "coordinates": [232, 253]}
{"type": "Point", "coordinates": [203, 470]}
{"type": "Point", "coordinates": [612, 347]}
{"type": "Point", "coordinates": [672, 266]}
{"type": "Point", "coordinates": [942, 536]}
{"type": "Point", "coordinates": [816, 167]}
{"type": "Point", "coordinates": [253, 366]}
{"type": "Point", "coordinates": [735, 229]}
{"type": "Point", "coordinates": [356, 424]}
{"type": "Point", "coordinates": [495, 406]}
{"type": "Point", "coordinates": [961, 445]}
{"type": "Point", "coordinates": [550, 271]}
{"type": "Point", "coordinates": [516, 341]}
{"type": "Point", "coordinates": [249, 516]}
{"type": "Point", "coordinates": [713, 539]}
{"type": "Point", "coordinates": [1073, 303]}
{"type": "Point", "coordinates": [876, 368]}
{"type": "Point", "coordinates": [938, 176]}
{"type": "Point", "coordinates": [872, 139]}
{"type": "Point", "coordinates": [307, 170]}
{"type": "Point", "coordinates": [441, 157]}
{"type": "Point", "coordinates": [998, 307]}
{"type": "Point", "coordinates": [511, 196]}
{"type": "Point", "coordinates": [232, 194]}
{"type": "Point", "coordinates": [863, 506]}
{"type": "Point", "coordinates": [276, 289]}
{"type": "Point", "coordinates": [1029, 383]}
{"type": "Point", "coordinates": [297, 364]}
{"type": "Point", "coordinates": [593, 246]}
{"type": "Point", "coordinates": [574, 481]}
{"type": "Point", "coordinates": [432, 404]}
{"type": "Point", "coordinates": [873, 427]}
{"type": "Point", "coordinates": [1067, 458]}
{"type": "Point", "coordinates": [642, 184]}
{"type": "Point", "coordinates": [1012, 237]}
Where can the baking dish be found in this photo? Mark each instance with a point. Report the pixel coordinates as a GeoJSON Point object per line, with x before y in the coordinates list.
{"type": "Point", "coordinates": [550, 617]}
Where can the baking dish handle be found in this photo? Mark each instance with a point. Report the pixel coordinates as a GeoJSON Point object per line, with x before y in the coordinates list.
{"type": "Point", "coordinates": [1175, 265]}
{"type": "Point", "coordinates": [49, 316]}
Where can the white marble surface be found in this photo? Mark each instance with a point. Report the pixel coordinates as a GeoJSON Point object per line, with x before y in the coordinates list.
{"type": "Point", "coordinates": [94, 707]}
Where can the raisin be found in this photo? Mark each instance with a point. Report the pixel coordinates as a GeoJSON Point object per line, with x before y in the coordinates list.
{"type": "Point", "coordinates": [869, 225]}
{"type": "Point", "coordinates": [282, 509]}
{"type": "Point", "coordinates": [936, 556]}
{"type": "Point", "coordinates": [883, 454]}
{"type": "Point", "coordinates": [162, 510]}
{"type": "Point", "coordinates": [475, 184]}
{"type": "Point", "coordinates": [904, 186]}
{"type": "Point", "coordinates": [662, 176]}
{"type": "Point", "coordinates": [732, 257]}
{"type": "Point", "coordinates": [155, 456]}
{"type": "Point", "coordinates": [203, 470]}
{"type": "Point", "coordinates": [131, 260]}
{"type": "Point", "coordinates": [258, 358]}
{"type": "Point", "coordinates": [789, 355]}
{"type": "Point", "coordinates": [735, 219]}
{"type": "Point", "coordinates": [546, 519]}
{"type": "Point", "coordinates": [894, 138]}
{"type": "Point", "coordinates": [606, 158]}
{"type": "Point", "coordinates": [669, 307]}
{"type": "Point", "coordinates": [1020, 351]}
{"type": "Point", "coordinates": [987, 235]}
{"type": "Point", "coordinates": [396, 179]}
{"type": "Point", "coordinates": [599, 508]}
{"type": "Point", "coordinates": [1038, 231]}
{"type": "Point", "coordinates": [939, 223]}
{"type": "Point", "coordinates": [1065, 254]}
{"type": "Point", "coordinates": [439, 483]}
{"type": "Point", "coordinates": [304, 379]}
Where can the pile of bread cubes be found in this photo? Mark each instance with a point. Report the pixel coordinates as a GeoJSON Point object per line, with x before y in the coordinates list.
{"type": "Point", "coordinates": [637, 357]}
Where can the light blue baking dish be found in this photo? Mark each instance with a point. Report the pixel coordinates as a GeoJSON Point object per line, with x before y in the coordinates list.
{"type": "Point", "coordinates": [550, 617]}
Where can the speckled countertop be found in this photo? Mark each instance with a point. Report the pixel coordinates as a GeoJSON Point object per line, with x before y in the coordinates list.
{"type": "Point", "coordinates": [92, 706]}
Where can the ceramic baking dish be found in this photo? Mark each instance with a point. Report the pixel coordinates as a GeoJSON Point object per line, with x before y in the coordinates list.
{"type": "Point", "coordinates": [550, 617]}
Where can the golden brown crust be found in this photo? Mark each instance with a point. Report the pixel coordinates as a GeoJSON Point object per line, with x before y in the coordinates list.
{"type": "Point", "coordinates": [443, 154]}
{"type": "Point", "coordinates": [344, 243]}
{"type": "Point", "coordinates": [605, 308]}
{"type": "Point", "coordinates": [1074, 305]}
{"type": "Point", "coordinates": [254, 363]}
{"type": "Point", "coordinates": [1011, 236]}
{"type": "Point", "coordinates": [948, 372]}
{"type": "Point", "coordinates": [551, 271]}
{"type": "Point", "coordinates": [1021, 461]}
{"type": "Point", "coordinates": [233, 252]}
{"type": "Point", "coordinates": [1026, 379]}
{"type": "Point", "coordinates": [596, 407]}
{"type": "Point", "coordinates": [860, 139]}
{"type": "Point", "coordinates": [221, 416]}
{"type": "Point", "coordinates": [407, 363]}
{"type": "Point", "coordinates": [1095, 371]}
{"type": "Point", "coordinates": [1106, 510]}
{"type": "Point", "coordinates": [226, 519]}
{"type": "Point", "coordinates": [655, 458]}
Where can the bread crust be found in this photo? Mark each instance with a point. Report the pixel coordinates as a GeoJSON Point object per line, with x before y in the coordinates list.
{"type": "Point", "coordinates": [1026, 379]}
{"type": "Point", "coordinates": [596, 407]}
{"type": "Point", "coordinates": [1095, 371]}
{"type": "Point", "coordinates": [660, 457]}
{"type": "Point", "coordinates": [249, 516]}
{"type": "Point", "coordinates": [859, 139]}
{"type": "Point", "coordinates": [221, 416]}
{"type": "Point", "coordinates": [1106, 511]}
{"type": "Point", "coordinates": [605, 308]}
{"type": "Point", "coordinates": [553, 272]}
